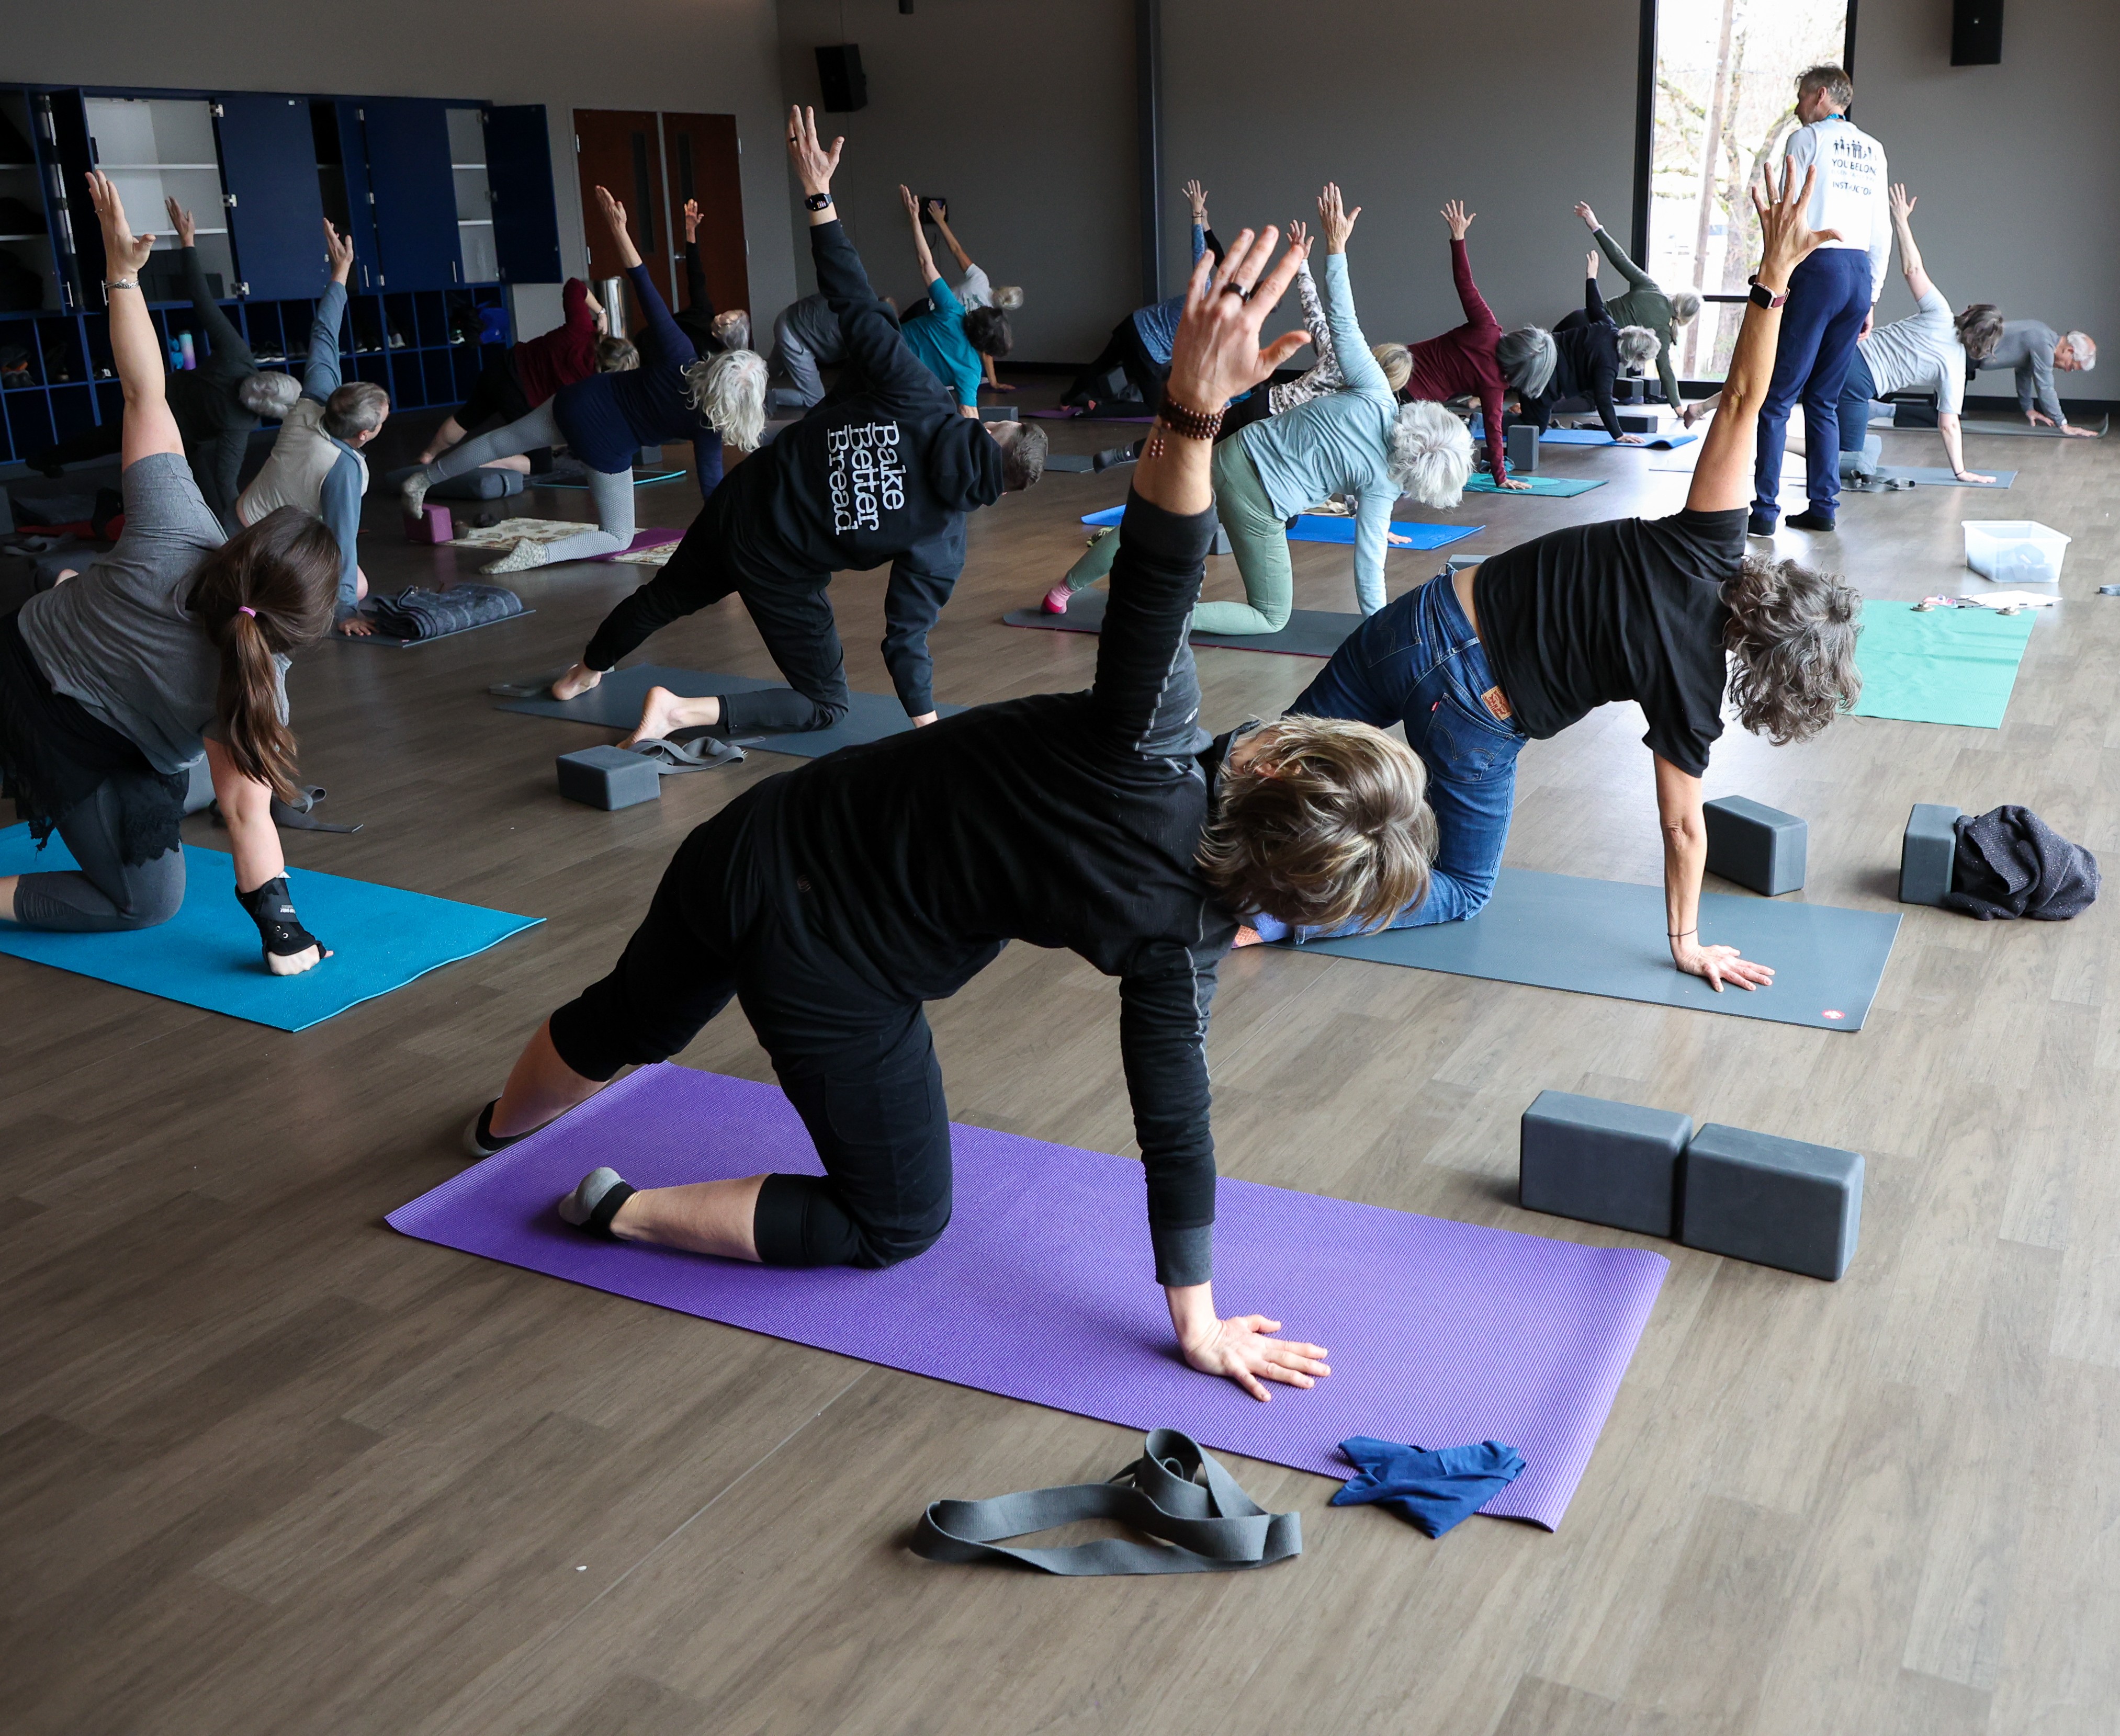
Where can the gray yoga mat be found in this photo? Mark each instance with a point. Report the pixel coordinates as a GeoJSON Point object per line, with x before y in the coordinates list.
{"type": "Point", "coordinates": [2027, 430]}
{"type": "Point", "coordinates": [1310, 633]}
{"type": "Point", "coordinates": [615, 703]}
{"type": "Point", "coordinates": [1607, 937]}
{"type": "Point", "coordinates": [1939, 477]}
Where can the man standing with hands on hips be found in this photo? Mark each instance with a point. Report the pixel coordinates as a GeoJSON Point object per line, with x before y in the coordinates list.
{"type": "Point", "coordinates": [1830, 295]}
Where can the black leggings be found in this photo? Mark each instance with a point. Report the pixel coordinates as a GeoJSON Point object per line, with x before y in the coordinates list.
{"type": "Point", "coordinates": [1124, 350]}
{"type": "Point", "coordinates": [858, 1064]}
{"type": "Point", "coordinates": [106, 893]}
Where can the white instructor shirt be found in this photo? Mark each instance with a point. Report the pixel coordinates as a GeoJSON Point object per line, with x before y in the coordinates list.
{"type": "Point", "coordinates": [1850, 193]}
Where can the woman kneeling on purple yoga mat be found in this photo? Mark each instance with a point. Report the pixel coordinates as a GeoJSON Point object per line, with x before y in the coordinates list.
{"type": "Point", "coordinates": [1670, 613]}
{"type": "Point", "coordinates": [835, 898]}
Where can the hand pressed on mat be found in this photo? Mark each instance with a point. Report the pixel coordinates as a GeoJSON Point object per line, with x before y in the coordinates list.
{"type": "Point", "coordinates": [1239, 1347]}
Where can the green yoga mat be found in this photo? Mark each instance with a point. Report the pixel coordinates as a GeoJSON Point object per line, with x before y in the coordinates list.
{"type": "Point", "coordinates": [1484, 484]}
{"type": "Point", "coordinates": [1944, 665]}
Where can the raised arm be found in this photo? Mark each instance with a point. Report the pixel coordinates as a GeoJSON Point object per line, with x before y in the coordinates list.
{"type": "Point", "coordinates": [1636, 277]}
{"type": "Point", "coordinates": [221, 337]}
{"type": "Point", "coordinates": [1902, 227]}
{"type": "Point", "coordinates": [1358, 367]}
{"type": "Point", "coordinates": [320, 373]}
{"type": "Point", "coordinates": [1593, 302]}
{"type": "Point", "coordinates": [135, 351]}
{"type": "Point", "coordinates": [1477, 310]}
{"type": "Point", "coordinates": [874, 344]}
{"type": "Point", "coordinates": [941, 222]}
{"type": "Point", "coordinates": [922, 257]}
{"type": "Point", "coordinates": [696, 300]}
{"type": "Point", "coordinates": [1722, 478]}
{"type": "Point", "coordinates": [1146, 696]}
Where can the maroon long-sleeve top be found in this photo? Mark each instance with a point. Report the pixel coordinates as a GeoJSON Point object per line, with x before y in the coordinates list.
{"type": "Point", "coordinates": [566, 353]}
{"type": "Point", "coordinates": [1462, 361]}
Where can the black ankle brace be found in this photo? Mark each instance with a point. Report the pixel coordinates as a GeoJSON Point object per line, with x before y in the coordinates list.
{"type": "Point", "coordinates": [273, 911]}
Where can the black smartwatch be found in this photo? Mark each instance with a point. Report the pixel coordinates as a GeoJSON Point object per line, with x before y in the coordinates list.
{"type": "Point", "coordinates": [1763, 297]}
{"type": "Point", "coordinates": [816, 201]}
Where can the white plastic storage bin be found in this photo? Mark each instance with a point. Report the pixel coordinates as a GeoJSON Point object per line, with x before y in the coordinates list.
{"type": "Point", "coordinates": [2014, 551]}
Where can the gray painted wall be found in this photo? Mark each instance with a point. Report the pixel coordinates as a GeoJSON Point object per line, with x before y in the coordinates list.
{"type": "Point", "coordinates": [1043, 195]}
{"type": "Point", "coordinates": [718, 57]}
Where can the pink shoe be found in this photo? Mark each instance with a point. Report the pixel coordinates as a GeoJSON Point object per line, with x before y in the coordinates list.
{"type": "Point", "coordinates": [1055, 599]}
{"type": "Point", "coordinates": [1247, 936]}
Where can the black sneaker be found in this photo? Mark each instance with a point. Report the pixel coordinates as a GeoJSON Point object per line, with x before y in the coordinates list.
{"type": "Point", "coordinates": [480, 1141]}
{"type": "Point", "coordinates": [1760, 524]}
{"type": "Point", "coordinates": [1811, 519]}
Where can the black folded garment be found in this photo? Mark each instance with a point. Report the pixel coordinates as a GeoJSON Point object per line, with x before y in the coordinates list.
{"type": "Point", "coordinates": [414, 614]}
{"type": "Point", "coordinates": [2011, 863]}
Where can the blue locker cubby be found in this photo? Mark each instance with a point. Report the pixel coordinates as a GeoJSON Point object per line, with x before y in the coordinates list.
{"type": "Point", "coordinates": [421, 186]}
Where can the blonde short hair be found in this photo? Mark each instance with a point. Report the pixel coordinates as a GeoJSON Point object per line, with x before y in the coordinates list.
{"type": "Point", "coordinates": [1396, 361]}
{"type": "Point", "coordinates": [1326, 824]}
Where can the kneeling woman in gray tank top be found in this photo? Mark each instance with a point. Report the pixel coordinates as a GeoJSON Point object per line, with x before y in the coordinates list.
{"type": "Point", "coordinates": [173, 645]}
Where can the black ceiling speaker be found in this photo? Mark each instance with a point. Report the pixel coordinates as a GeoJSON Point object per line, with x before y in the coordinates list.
{"type": "Point", "coordinates": [839, 72]}
{"type": "Point", "coordinates": [1976, 33]}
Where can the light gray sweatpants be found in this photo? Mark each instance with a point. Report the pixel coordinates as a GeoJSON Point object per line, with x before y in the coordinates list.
{"type": "Point", "coordinates": [610, 494]}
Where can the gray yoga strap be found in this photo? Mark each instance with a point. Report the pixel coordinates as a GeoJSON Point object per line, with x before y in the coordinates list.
{"type": "Point", "coordinates": [1178, 1492]}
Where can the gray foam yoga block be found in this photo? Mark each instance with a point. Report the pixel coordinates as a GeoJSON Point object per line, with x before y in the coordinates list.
{"type": "Point", "coordinates": [1775, 1202]}
{"type": "Point", "coordinates": [1755, 845]}
{"type": "Point", "coordinates": [1604, 1162]}
{"type": "Point", "coordinates": [1521, 444]}
{"type": "Point", "coordinates": [609, 778]}
{"type": "Point", "coordinates": [1927, 852]}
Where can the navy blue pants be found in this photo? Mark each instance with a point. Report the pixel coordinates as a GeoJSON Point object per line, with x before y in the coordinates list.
{"type": "Point", "coordinates": [1829, 298]}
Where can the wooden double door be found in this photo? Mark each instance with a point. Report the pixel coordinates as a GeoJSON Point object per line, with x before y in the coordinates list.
{"type": "Point", "coordinates": [652, 163]}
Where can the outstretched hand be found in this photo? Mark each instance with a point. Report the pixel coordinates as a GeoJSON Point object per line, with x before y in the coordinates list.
{"type": "Point", "coordinates": [340, 249]}
{"type": "Point", "coordinates": [1298, 237]}
{"type": "Point", "coordinates": [1589, 217]}
{"type": "Point", "coordinates": [125, 252]}
{"type": "Point", "coordinates": [911, 204]}
{"type": "Point", "coordinates": [1459, 218]}
{"type": "Point", "coordinates": [1241, 1349]}
{"type": "Point", "coordinates": [1195, 196]}
{"type": "Point", "coordinates": [1786, 237]}
{"type": "Point", "coordinates": [182, 221]}
{"type": "Point", "coordinates": [814, 164]}
{"type": "Point", "coordinates": [691, 219]}
{"type": "Point", "coordinates": [1590, 266]}
{"type": "Point", "coordinates": [1334, 219]}
{"type": "Point", "coordinates": [1902, 202]}
{"type": "Point", "coordinates": [1216, 354]}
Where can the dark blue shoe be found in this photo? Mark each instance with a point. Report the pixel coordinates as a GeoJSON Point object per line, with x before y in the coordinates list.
{"type": "Point", "coordinates": [1760, 524]}
{"type": "Point", "coordinates": [1811, 519]}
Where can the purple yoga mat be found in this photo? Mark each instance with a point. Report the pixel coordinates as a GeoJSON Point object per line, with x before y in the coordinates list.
{"type": "Point", "coordinates": [1041, 1288]}
{"type": "Point", "coordinates": [652, 538]}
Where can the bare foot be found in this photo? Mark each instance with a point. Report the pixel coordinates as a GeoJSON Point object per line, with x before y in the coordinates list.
{"type": "Point", "coordinates": [577, 681]}
{"type": "Point", "coordinates": [663, 711]}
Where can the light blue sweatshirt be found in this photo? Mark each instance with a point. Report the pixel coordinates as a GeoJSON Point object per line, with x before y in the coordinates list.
{"type": "Point", "coordinates": [1337, 443]}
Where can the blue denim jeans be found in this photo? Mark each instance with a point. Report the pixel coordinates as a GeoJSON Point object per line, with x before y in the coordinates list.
{"type": "Point", "coordinates": [1829, 297]}
{"type": "Point", "coordinates": [1418, 662]}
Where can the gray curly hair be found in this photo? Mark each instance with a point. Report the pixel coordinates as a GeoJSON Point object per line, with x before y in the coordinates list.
{"type": "Point", "coordinates": [1638, 346]}
{"type": "Point", "coordinates": [1791, 644]}
{"type": "Point", "coordinates": [1431, 454]}
{"type": "Point", "coordinates": [1684, 307]}
{"type": "Point", "coordinates": [729, 391]}
{"type": "Point", "coordinates": [269, 393]}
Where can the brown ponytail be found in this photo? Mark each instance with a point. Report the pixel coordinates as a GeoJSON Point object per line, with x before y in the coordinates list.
{"type": "Point", "coordinates": [269, 590]}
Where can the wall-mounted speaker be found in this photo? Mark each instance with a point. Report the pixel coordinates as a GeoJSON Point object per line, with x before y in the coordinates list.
{"type": "Point", "coordinates": [846, 85]}
{"type": "Point", "coordinates": [1976, 33]}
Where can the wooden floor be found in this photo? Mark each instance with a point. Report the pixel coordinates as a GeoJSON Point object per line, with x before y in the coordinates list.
{"type": "Point", "coordinates": [266, 1466]}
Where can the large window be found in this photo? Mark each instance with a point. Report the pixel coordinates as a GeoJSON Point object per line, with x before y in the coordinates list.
{"type": "Point", "coordinates": [1724, 106]}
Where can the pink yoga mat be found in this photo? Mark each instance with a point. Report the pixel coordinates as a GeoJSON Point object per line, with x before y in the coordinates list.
{"type": "Point", "coordinates": [652, 538]}
{"type": "Point", "coordinates": [1043, 1287]}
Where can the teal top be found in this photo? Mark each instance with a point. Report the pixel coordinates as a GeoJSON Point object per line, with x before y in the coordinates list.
{"type": "Point", "coordinates": [1337, 443]}
{"type": "Point", "coordinates": [937, 338]}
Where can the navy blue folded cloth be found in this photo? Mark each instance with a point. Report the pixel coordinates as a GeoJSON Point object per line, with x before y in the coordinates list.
{"type": "Point", "coordinates": [1434, 1491]}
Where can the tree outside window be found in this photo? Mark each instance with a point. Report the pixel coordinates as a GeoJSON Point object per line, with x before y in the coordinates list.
{"type": "Point", "coordinates": [1725, 105]}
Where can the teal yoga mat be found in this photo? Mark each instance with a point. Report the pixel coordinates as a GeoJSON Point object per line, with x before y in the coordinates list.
{"type": "Point", "coordinates": [615, 703]}
{"type": "Point", "coordinates": [1607, 937]}
{"type": "Point", "coordinates": [1483, 484]}
{"type": "Point", "coordinates": [207, 954]}
{"type": "Point", "coordinates": [1329, 528]}
{"type": "Point", "coordinates": [1941, 665]}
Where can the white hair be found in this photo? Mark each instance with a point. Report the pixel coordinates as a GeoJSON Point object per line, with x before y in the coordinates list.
{"type": "Point", "coordinates": [732, 329]}
{"type": "Point", "coordinates": [1431, 454]}
{"type": "Point", "coordinates": [1638, 346]}
{"type": "Point", "coordinates": [729, 391]}
{"type": "Point", "coordinates": [1008, 297]}
{"type": "Point", "coordinates": [269, 393]}
{"type": "Point", "coordinates": [2081, 346]}
{"type": "Point", "coordinates": [1684, 307]}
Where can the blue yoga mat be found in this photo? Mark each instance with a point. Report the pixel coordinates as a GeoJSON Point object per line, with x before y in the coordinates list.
{"type": "Point", "coordinates": [615, 703]}
{"type": "Point", "coordinates": [1607, 937]}
{"type": "Point", "coordinates": [1329, 528]}
{"type": "Point", "coordinates": [207, 954]}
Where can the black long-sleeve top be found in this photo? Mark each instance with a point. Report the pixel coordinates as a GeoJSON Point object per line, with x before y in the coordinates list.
{"type": "Point", "coordinates": [1061, 819]}
{"type": "Point", "coordinates": [697, 321]}
{"type": "Point", "coordinates": [1586, 362]}
{"type": "Point", "coordinates": [870, 476]}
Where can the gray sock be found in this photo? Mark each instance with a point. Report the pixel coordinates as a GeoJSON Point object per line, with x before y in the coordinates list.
{"type": "Point", "coordinates": [595, 1201]}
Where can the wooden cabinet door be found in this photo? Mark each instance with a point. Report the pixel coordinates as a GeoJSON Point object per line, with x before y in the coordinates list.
{"type": "Point", "coordinates": [621, 149]}
{"type": "Point", "coordinates": [705, 164]}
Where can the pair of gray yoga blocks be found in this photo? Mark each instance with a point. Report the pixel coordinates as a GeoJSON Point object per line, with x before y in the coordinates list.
{"type": "Point", "coordinates": [1752, 1196]}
